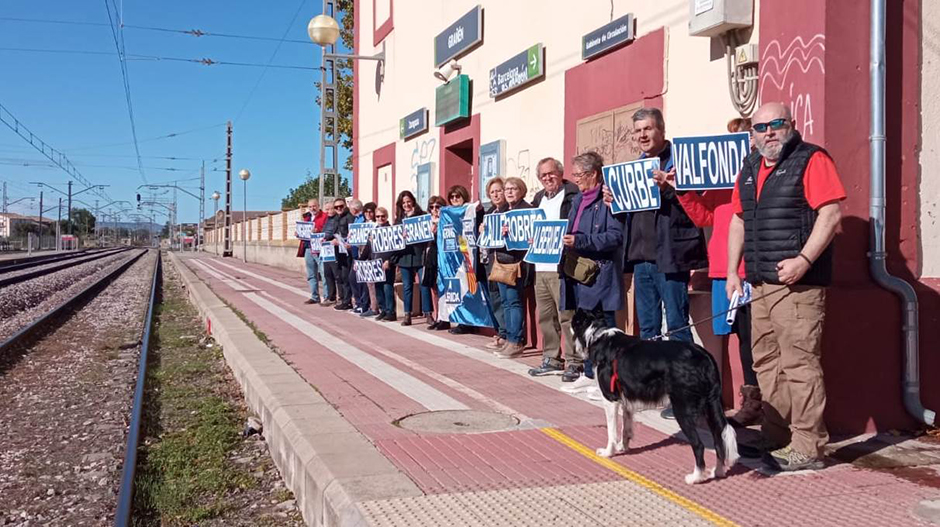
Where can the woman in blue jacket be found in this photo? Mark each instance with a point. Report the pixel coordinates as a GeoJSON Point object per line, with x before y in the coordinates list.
{"type": "Point", "coordinates": [593, 233]}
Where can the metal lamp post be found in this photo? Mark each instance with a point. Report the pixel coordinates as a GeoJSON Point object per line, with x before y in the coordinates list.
{"type": "Point", "coordinates": [245, 174]}
{"type": "Point", "coordinates": [324, 31]}
{"type": "Point", "coordinates": [215, 219]}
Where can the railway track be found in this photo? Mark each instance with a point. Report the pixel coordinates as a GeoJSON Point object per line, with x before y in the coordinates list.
{"type": "Point", "coordinates": [45, 322]}
{"type": "Point", "coordinates": [14, 274]}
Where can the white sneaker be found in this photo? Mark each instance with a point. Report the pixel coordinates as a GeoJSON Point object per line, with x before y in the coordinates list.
{"type": "Point", "coordinates": [581, 385]}
{"type": "Point", "coordinates": [594, 393]}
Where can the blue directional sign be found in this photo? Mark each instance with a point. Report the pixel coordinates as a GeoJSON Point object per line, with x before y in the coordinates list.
{"type": "Point", "coordinates": [632, 185]}
{"type": "Point", "coordinates": [608, 37]}
{"type": "Point", "coordinates": [709, 162]}
{"type": "Point", "coordinates": [460, 36]}
{"type": "Point", "coordinates": [413, 124]}
{"type": "Point", "coordinates": [518, 71]}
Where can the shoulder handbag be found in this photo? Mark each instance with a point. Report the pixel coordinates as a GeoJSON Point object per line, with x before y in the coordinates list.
{"type": "Point", "coordinates": [581, 269]}
{"type": "Point", "coordinates": [506, 273]}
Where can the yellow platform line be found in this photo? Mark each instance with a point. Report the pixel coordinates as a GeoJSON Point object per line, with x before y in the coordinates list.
{"type": "Point", "coordinates": [628, 474]}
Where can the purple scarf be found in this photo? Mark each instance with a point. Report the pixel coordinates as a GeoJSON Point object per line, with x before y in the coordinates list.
{"type": "Point", "coordinates": [586, 199]}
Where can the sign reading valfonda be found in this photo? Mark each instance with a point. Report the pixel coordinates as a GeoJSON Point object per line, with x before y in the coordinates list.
{"type": "Point", "coordinates": [518, 71]}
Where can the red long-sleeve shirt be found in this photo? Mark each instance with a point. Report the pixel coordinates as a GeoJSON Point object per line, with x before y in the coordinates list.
{"type": "Point", "coordinates": [713, 208]}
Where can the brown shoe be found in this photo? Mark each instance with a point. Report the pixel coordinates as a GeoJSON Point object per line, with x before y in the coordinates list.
{"type": "Point", "coordinates": [510, 351]}
{"type": "Point", "coordinates": [751, 411]}
{"type": "Point", "coordinates": [497, 344]}
{"type": "Point", "coordinates": [407, 320]}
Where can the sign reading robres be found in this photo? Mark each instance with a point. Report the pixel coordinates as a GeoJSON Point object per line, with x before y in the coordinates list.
{"type": "Point", "coordinates": [608, 37]}
{"type": "Point", "coordinates": [413, 124]}
{"type": "Point", "coordinates": [452, 101]}
{"type": "Point", "coordinates": [460, 36]}
{"type": "Point", "coordinates": [518, 71]}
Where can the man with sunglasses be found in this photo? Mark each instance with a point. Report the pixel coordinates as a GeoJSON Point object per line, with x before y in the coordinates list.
{"type": "Point", "coordinates": [338, 271]}
{"type": "Point", "coordinates": [786, 211]}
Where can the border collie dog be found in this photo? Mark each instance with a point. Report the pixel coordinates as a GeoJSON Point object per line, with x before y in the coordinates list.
{"type": "Point", "coordinates": [634, 374]}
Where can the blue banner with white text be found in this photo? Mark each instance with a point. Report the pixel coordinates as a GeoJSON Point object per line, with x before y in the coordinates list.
{"type": "Point", "coordinates": [632, 185]}
{"type": "Point", "coordinates": [463, 299]}
{"type": "Point", "coordinates": [709, 162]}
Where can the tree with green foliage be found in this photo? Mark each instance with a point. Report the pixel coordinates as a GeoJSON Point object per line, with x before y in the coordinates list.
{"type": "Point", "coordinates": [310, 189]}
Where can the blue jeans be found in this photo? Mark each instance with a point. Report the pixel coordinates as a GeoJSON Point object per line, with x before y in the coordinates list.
{"type": "Point", "coordinates": [511, 297]}
{"type": "Point", "coordinates": [408, 275]}
{"type": "Point", "coordinates": [496, 303]}
{"type": "Point", "coordinates": [360, 291]}
{"type": "Point", "coordinates": [313, 274]}
{"type": "Point", "coordinates": [385, 292]}
{"type": "Point", "coordinates": [655, 290]}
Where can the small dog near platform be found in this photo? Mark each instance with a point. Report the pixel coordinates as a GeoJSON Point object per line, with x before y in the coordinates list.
{"type": "Point", "coordinates": [634, 374]}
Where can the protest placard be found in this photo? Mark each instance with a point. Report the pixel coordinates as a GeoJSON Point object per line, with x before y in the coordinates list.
{"type": "Point", "coordinates": [520, 227]}
{"type": "Point", "coordinates": [492, 237]}
{"type": "Point", "coordinates": [316, 240]}
{"type": "Point", "coordinates": [304, 229]}
{"type": "Point", "coordinates": [418, 229]}
{"type": "Point", "coordinates": [388, 239]}
{"type": "Point", "coordinates": [632, 185]}
{"type": "Point", "coordinates": [341, 245]}
{"type": "Point", "coordinates": [547, 243]}
{"type": "Point", "coordinates": [327, 252]}
{"type": "Point", "coordinates": [449, 239]}
{"type": "Point", "coordinates": [468, 235]}
{"type": "Point", "coordinates": [452, 291]}
{"type": "Point", "coordinates": [709, 162]}
{"type": "Point", "coordinates": [369, 271]}
{"type": "Point", "coordinates": [359, 233]}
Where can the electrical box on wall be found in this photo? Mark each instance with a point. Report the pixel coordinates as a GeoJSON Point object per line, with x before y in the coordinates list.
{"type": "Point", "coordinates": [712, 18]}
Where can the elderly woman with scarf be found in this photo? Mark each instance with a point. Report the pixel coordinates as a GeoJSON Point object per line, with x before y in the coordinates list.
{"type": "Point", "coordinates": [595, 234]}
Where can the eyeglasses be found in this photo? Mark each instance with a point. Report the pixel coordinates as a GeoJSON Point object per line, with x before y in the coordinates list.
{"type": "Point", "coordinates": [579, 175]}
{"type": "Point", "coordinates": [432, 207]}
{"type": "Point", "coordinates": [776, 124]}
{"type": "Point", "coordinates": [381, 216]}
{"type": "Point", "coordinates": [339, 207]}
{"type": "Point", "coordinates": [546, 174]}
{"type": "Point", "coordinates": [454, 196]}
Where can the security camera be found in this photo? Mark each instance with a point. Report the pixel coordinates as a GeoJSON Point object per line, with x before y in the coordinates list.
{"type": "Point", "coordinates": [447, 71]}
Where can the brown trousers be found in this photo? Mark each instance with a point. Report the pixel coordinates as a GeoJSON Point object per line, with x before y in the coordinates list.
{"type": "Point", "coordinates": [554, 323]}
{"type": "Point", "coordinates": [786, 336]}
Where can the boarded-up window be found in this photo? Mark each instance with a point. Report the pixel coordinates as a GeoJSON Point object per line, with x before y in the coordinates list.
{"type": "Point", "coordinates": [610, 134]}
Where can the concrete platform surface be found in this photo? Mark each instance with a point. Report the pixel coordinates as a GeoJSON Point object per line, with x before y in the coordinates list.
{"type": "Point", "coordinates": [505, 448]}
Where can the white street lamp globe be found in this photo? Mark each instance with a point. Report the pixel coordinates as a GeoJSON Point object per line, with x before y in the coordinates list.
{"type": "Point", "coordinates": [323, 30]}
{"type": "Point", "coordinates": [244, 174]}
{"type": "Point", "coordinates": [216, 195]}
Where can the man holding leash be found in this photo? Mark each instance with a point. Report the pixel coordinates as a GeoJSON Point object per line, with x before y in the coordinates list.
{"type": "Point", "coordinates": [786, 205]}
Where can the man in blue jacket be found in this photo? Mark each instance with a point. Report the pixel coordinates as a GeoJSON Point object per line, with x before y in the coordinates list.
{"type": "Point", "coordinates": [662, 246]}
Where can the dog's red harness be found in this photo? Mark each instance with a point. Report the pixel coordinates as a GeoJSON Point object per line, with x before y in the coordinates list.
{"type": "Point", "coordinates": [613, 378]}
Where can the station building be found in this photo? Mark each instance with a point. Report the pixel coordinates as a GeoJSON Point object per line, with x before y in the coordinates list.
{"type": "Point", "coordinates": [540, 79]}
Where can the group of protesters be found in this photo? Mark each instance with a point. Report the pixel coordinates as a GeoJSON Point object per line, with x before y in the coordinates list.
{"type": "Point", "coordinates": [770, 237]}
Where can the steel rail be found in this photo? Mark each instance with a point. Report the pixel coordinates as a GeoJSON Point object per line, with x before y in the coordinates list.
{"type": "Point", "coordinates": [12, 263]}
{"type": "Point", "coordinates": [10, 280]}
{"type": "Point", "coordinates": [35, 327]}
{"type": "Point", "coordinates": [122, 517]}
{"type": "Point", "coordinates": [8, 266]}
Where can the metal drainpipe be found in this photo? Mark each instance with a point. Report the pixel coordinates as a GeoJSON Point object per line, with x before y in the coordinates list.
{"type": "Point", "coordinates": [876, 256]}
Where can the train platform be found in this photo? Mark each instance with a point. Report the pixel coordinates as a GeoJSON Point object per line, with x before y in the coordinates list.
{"type": "Point", "coordinates": [373, 423]}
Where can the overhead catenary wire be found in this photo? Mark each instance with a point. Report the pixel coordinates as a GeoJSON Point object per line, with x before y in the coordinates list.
{"type": "Point", "coordinates": [118, 36]}
{"type": "Point", "coordinates": [191, 32]}
{"type": "Point", "coordinates": [156, 58]}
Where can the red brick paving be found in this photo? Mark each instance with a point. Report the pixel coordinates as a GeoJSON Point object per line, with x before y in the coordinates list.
{"type": "Point", "coordinates": [439, 463]}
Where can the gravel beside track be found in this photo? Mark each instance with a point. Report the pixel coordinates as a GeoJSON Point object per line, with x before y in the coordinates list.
{"type": "Point", "coordinates": [65, 404]}
{"type": "Point", "coordinates": [26, 301]}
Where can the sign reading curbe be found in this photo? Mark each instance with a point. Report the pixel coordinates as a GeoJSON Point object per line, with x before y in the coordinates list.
{"type": "Point", "coordinates": [460, 36]}
{"type": "Point", "coordinates": [413, 124]}
{"type": "Point", "coordinates": [608, 37]}
{"type": "Point", "coordinates": [709, 162]}
{"type": "Point", "coordinates": [632, 185]}
{"type": "Point", "coordinates": [452, 101]}
{"type": "Point", "coordinates": [517, 71]}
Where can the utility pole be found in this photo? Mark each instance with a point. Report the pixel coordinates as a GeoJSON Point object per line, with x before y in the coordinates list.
{"type": "Point", "coordinates": [58, 229]}
{"type": "Point", "coordinates": [97, 212]}
{"type": "Point", "coordinates": [329, 142]}
{"type": "Point", "coordinates": [227, 249]}
{"type": "Point", "coordinates": [200, 227]}
{"type": "Point", "coordinates": [70, 207]}
{"type": "Point", "coordinates": [4, 197]}
{"type": "Point", "coordinates": [40, 220]}
{"type": "Point", "coordinates": [173, 229]}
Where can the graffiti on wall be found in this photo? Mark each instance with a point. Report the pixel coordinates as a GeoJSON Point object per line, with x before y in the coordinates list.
{"type": "Point", "coordinates": [520, 166]}
{"type": "Point", "coordinates": [794, 74]}
{"type": "Point", "coordinates": [422, 153]}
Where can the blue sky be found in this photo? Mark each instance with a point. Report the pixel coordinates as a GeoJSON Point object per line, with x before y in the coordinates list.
{"type": "Point", "coordinates": [76, 102]}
